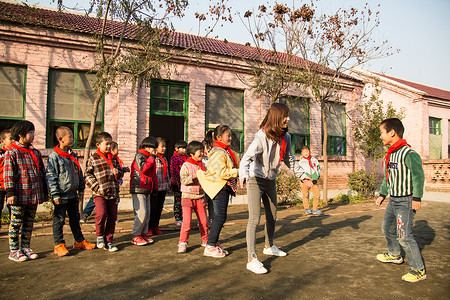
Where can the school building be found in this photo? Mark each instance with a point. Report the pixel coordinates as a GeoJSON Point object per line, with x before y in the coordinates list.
{"type": "Point", "coordinates": [45, 57]}
{"type": "Point", "coordinates": [427, 121]}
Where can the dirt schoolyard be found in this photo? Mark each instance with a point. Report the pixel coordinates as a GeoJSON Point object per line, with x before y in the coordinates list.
{"type": "Point", "coordinates": [330, 257]}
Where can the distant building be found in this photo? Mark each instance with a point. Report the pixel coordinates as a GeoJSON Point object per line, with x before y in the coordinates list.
{"type": "Point", "coordinates": [427, 121]}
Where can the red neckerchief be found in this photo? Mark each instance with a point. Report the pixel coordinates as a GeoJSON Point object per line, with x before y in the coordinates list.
{"type": "Point", "coordinates": [108, 159]}
{"type": "Point", "coordinates": [119, 160]}
{"type": "Point", "coordinates": [228, 149]}
{"type": "Point", "coordinates": [309, 160]}
{"type": "Point", "coordinates": [29, 151]}
{"type": "Point", "coordinates": [397, 145]}
{"type": "Point", "coordinates": [194, 162]}
{"type": "Point", "coordinates": [164, 164]}
{"type": "Point", "coordinates": [143, 151]}
{"type": "Point", "coordinates": [60, 152]}
{"type": "Point", "coordinates": [183, 157]}
{"type": "Point", "coordinates": [4, 148]}
{"type": "Point", "coordinates": [283, 148]}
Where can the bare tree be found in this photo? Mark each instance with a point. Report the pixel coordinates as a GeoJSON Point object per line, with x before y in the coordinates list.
{"type": "Point", "coordinates": [311, 53]}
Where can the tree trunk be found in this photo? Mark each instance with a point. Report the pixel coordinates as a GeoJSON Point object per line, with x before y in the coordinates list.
{"type": "Point", "coordinates": [325, 155]}
{"type": "Point", "coordinates": [87, 148]}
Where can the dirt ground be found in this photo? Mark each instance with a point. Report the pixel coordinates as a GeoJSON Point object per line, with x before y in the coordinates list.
{"type": "Point", "coordinates": [330, 257]}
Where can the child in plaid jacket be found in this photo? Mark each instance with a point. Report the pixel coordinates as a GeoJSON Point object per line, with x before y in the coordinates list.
{"type": "Point", "coordinates": [24, 180]}
{"type": "Point", "coordinates": [102, 175]}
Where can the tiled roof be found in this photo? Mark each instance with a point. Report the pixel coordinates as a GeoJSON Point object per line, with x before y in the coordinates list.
{"type": "Point", "coordinates": [30, 15]}
{"type": "Point", "coordinates": [430, 91]}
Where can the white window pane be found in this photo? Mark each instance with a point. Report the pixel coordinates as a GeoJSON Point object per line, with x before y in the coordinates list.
{"type": "Point", "coordinates": [11, 86]}
{"type": "Point", "coordinates": [335, 119]}
{"type": "Point", "coordinates": [299, 114]}
{"type": "Point", "coordinates": [224, 106]}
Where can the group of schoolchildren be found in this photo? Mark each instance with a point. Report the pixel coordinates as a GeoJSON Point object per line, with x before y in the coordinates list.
{"type": "Point", "coordinates": [199, 176]}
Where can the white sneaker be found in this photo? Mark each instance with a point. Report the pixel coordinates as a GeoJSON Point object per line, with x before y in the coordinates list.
{"type": "Point", "coordinates": [256, 266]}
{"type": "Point", "coordinates": [274, 251]}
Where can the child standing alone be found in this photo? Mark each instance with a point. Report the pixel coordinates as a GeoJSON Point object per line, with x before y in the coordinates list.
{"type": "Point", "coordinates": [103, 173]}
{"type": "Point", "coordinates": [312, 169]}
{"type": "Point", "coordinates": [403, 182]}
{"type": "Point", "coordinates": [24, 178]}
{"type": "Point", "coordinates": [177, 160]}
{"type": "Point", "coordinates": [193, 197]}
{"type": "Point", "coordinates": [142, 183]}
{"type": "Point", "coordinates": [66, 187]}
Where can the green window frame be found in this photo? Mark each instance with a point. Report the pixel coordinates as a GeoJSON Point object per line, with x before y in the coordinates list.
{"type": "Point", "coordinates": [435, 135]}
{"type": "Point", "coordinates": [170, 98]}
{"type": "Point", "coordinates": [299, 124]}
{"type": "Point", "coordinates": [70, 99]}
{"type": "Point", "coordinates": [226, 106]}
{"type": "Point", "coordinates": [13, 80]}
{"type": "Point", "coordinates": [337, 130]}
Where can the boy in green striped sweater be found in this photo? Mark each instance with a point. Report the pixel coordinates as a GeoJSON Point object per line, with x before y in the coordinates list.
{"type": "Point", "coordinates": [403, 182]}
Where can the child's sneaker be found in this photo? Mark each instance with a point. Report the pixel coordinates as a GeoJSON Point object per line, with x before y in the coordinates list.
{"type": "Point", "coordinates": [61, 250]}
{"type": "Point", "coordinates": [150, 232]}
{"type": "Point", "coordinates": [147, 239]}
{"type": "Point", "coordinates": [213, 251]}
{"type": "Point", "coordinates": [182, 247]}
{"type": "Point", "coordinates": [308, 211]}
{"type": "Point", "coordinates": [112, 248]}
{"type": "Point", "coordinates": [203, 244]}
{"type": "Point", "coordinates": [256, 266]}
{"type": "Point", "coordinates": [388, 258]}
{"type": "Point", "coordinates": [17, 256]}
{"type": "Point", "coordinates": [221, 248]}
{"type": "Point", "coordinates": [83, 218]}
{"type": "Point", "coordinates": [317, 212]}
{"type": "Point", "coordinates": [100, 242]}
{"type": "Point", "coordinates": [415, 275]}
{"type": "Point", "coordinates": [84, 245]}
{"type": "Point", "coordinates": [156, 230]}
{"type": "Point", "coordinates": [274, 251]}
{"type": "Point", "coordinates": [138, 240]}
{"type": "Point", "coordinates": [29, 253]}
{"type": "Point", "coordinates": [179, 223]}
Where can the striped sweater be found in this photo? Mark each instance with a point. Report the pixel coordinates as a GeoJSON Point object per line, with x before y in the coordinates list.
{"type": "Point", "coordinates": [406, 176]}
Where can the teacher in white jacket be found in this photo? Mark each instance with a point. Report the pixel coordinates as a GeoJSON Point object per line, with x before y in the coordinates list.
{"type": "Point", "coordinates": [259, 168]}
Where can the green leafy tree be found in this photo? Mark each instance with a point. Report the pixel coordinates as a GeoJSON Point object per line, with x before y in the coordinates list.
{"type": "Point", "coordinates": [301, 50]}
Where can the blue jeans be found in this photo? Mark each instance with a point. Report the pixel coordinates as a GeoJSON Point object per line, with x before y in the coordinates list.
{"type": "Point", "coordinates": [220, 203]}
{"type": "Point", "coordinates": [90, 205]}
{"type": "Point", "coordinates": [59, 215]}
{"type": "Point", "coordinates": [397, 227]}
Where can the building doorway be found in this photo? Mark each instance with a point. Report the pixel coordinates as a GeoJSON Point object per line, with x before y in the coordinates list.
{"type": "Point", "coordinates": [168, 112]}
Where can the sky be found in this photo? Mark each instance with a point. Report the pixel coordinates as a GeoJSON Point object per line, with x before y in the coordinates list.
{"type": "Point", "coordinates": [419, 29]}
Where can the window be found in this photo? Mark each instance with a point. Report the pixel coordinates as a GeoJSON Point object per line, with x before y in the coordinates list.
{"type": "Point", "coordinates": [168, 98]}
{"type": "Point", "coordinates": [435, 138]}
{"type": "Point", "coordinates": [299, 123]}
{"type": "Point", "coordinates": [226, 106]}
{"type": "Point", "coordinates": [336, 120]}
{"type": "Point", "coordinates": [12, 98]}
{"type": "Point", "coordinates": [71, 97]}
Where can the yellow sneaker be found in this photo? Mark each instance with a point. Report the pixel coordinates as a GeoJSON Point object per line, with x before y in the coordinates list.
{"type": "Point", "coordinates": [415, 275]}
{"type": "Point", "coordinates": [388, 258]}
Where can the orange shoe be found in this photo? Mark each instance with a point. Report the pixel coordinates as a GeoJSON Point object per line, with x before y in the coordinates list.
{"type": "Point", "coordinates": [61, 250]}
{"type": "Point", "coordinates": [84, 245]}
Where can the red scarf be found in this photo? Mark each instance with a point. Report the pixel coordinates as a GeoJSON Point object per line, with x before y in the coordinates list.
{"type": "Point", "coordinates": [60, 152]}
{"type": "Point", "coordinates": [228, 149]}
{"type": "Point", "coordinates": [164, 164]}
{"type": "Point", "coordinates": [309, 160]}
{"type": "Point", "coordinates": [144, 152]}
{"type": "Point", "coordinates": [108, 159]}
{"type": "Point", "coordinates": [29, 151]}
{"type": "Point", "coordinates": [120, 161]}
{"type": "Point", "coordinates": [398, 144]}
{"type": "Point", "coordinates": [198, 163]}
{"type": "Point", "coordinates": [183, 157]}
{"type": "Point", "coordinates": [283, 148]}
